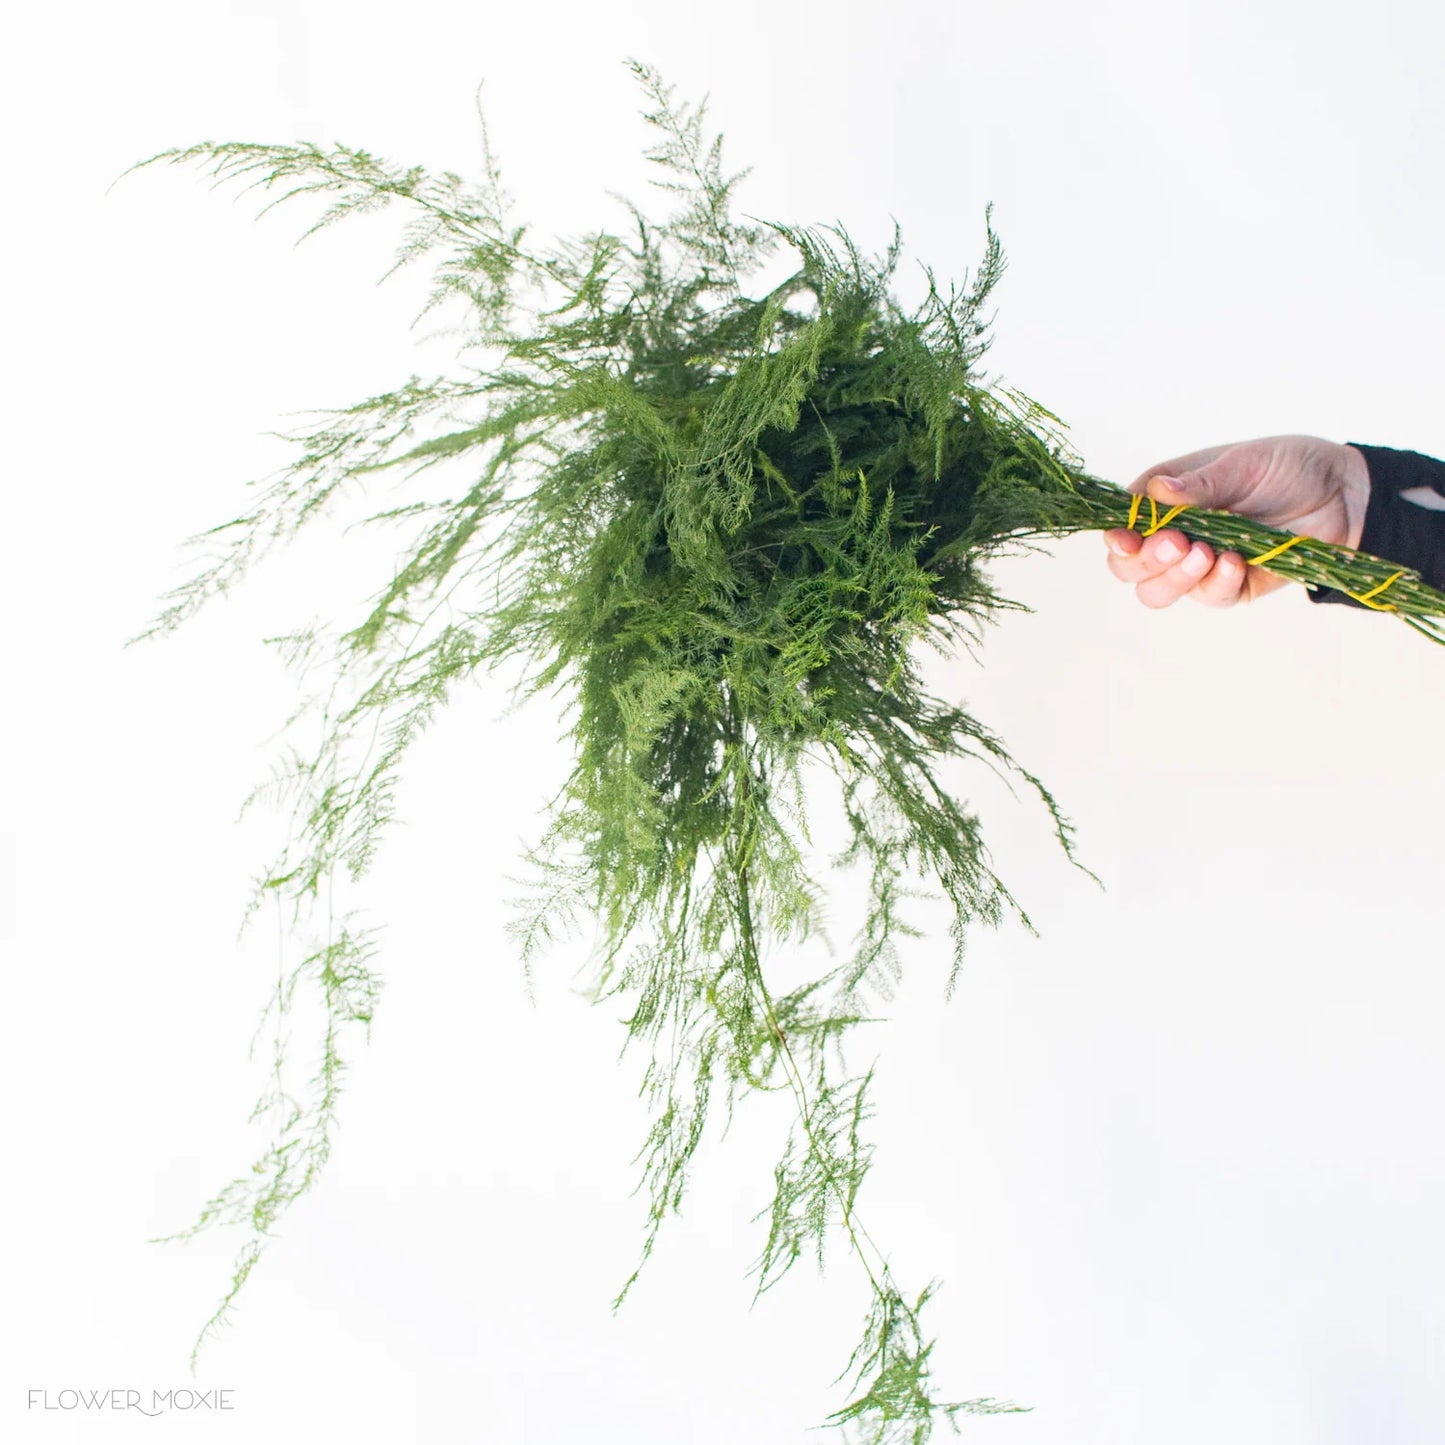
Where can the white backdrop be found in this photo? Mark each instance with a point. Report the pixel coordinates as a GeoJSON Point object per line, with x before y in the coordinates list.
{"type": "Point", "coordinates": [1177, 1161]}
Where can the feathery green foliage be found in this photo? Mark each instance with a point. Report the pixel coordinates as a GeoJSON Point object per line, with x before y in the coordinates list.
{"type": "Point", "coordinates": [722, 522]}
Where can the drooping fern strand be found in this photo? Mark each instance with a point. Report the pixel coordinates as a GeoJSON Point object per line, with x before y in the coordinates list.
{"type": "Point", "coordinates": [723, 519]}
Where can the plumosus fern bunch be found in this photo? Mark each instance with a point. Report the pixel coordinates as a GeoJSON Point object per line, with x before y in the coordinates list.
{"type": "Point", "coordinates": [722, 522]}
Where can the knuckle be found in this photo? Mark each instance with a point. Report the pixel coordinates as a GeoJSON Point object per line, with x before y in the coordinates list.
{"type": "Point", "coordinates": [1128, 569]}
{"type": "Point", "coordinates": [1167, 548]}
{"type": "Point", "coordinates": [1220, 589]}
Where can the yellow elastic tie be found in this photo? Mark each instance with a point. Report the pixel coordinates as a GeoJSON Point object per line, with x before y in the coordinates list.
{"type": "Point", "coordinates": [1275, 551]}
{"type": "Point", "coordinates": [1374, 591]}
{"type": "Point", "coordinates": [1168, 516]}
{"type": "Point", "coordinates": [1155, 520]}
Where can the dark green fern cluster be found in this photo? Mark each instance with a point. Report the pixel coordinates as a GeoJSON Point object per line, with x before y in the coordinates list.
{"type": "Point", "coordinates": [721, 519]}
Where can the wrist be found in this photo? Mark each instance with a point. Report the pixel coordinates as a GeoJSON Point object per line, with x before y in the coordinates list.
{"type": "Point", "coordinates": [1355, 492]}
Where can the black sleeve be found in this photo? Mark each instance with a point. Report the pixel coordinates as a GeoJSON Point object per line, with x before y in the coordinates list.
{"type": "Point", "coordinates": [1396, 528]}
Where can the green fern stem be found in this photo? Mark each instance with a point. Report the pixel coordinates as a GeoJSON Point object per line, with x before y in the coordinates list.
{"type": "Point", "coordinates": [736, 851]}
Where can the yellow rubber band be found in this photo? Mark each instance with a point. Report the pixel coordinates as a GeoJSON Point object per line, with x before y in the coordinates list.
{"type": "Point", "coordinates": [1374, 591]}
{"type": "Point", "coordinates": [1155, 520]}
{"type": "Point", "coordinates": [1168, 516]}
{"type": "Point", "coordinates": [1275, 551]}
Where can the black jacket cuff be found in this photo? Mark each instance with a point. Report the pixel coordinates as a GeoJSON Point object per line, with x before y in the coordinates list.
{"type": "Point", "coordinates": [1396, 528]}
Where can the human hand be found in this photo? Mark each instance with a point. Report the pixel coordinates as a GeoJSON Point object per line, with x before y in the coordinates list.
{"type": "Point", "coordinates": [1302, 484]}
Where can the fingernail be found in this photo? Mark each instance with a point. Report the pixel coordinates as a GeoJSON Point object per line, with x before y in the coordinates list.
{"type": "Point", "coordinates": [1115, 546]}
{"type": "Point", "coordinates": [1168, 551]}
{"type": "Point", "coordinates": [1196, 564]}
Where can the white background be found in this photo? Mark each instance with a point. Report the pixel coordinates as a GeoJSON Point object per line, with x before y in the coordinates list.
{"type": "Point", "coordinates": [1177, 1161]}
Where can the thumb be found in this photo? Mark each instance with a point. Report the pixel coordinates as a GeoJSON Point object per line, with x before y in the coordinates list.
{"type": "Point", "coordinates": [1197, 488]}
{"type": "Point", "coordinates": [1229, 480]}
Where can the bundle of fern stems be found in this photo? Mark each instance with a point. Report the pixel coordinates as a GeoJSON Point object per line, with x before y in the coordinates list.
{"type": "Point", "coordinates": [720, 516]}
